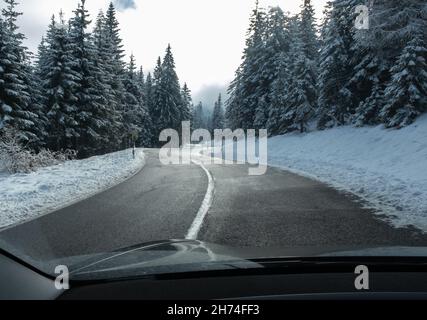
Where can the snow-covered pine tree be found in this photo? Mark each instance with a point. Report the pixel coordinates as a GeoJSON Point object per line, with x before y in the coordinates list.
{"type": "Point", "coordinates": [207, 118]}
{"type": "Point", "coordinates": [113, 31]}
{"type": "Point", "coordinates": [303, 93]}
{"type": "Point", "coordinates": [148, 92]}
{"type": "Point", "coordinates": [105, 62]}
{"type": "Point", "coordinates": [187, 103]}
{"type": "Point", "coordinates": [38, 108]}
{"type": "Point", "coordinates": [279, 93]}
{"type": "Point", "coordinates": [308, 32]}
{"type": "Point", "coordinates": [116, 59]}
{"type": "Point", "coordinates": [277, 42]}
{"type": "Point", "coordinates": [261, 111]}
{"type": "Point", "coordinates": [287, 96]}
{"type": "Point", "coordinates": [369, 79]}
{"type": "Point", "coordinates": [167, 107]}
{"type": "Point", "coordinates": [281, 110]}
{"type": "Point", "coordinates": [157, 74]}
{"type": "Point", "coordinates": [149, 103]}
{"type": "Point", "coordinates": [199, 117]}
{"type": "Point", "coordinates": [367, 113]}
{"type": "Point", "coordinates": [336, 68]}
{"type": "Point", "coordinates": [93, 114]}
{"type": "Point", "coordinates": [305, 68]}
{"type": "Point", "coordinates": [369, 76]}
{"type": "Point", "coordinates": [17, 107]}
{"type": "Point", "coordinates": [394, 25]}
{"type": "Point", "coordinates": [244, 89]}
{"type": "Point", "coordinates": [218, 115]}
{"type": "Point", "coordinates": [156, 99]}
{"type": "Point", "coordinates": [131, 116]}
{"type": "Point", "coordinates": [59, 82]}
{"type": "Point", "coordinates": [301, 96]}
{"type": "Point", "coordinates": [136, 117]}
{"type": "Point", "coordinates": [39, 97]}
{"type": "Point", "coordinates": [41, 55]}
{"type": "Point", "coordinates": [140, 78]}
{"type": "Point", "coordinates": [233, 116]}
{"type": "Point", "coordinates": [406, 94]}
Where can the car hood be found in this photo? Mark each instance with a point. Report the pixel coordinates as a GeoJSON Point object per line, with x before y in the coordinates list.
{"type": "Point", "coordinates": [183, 256]}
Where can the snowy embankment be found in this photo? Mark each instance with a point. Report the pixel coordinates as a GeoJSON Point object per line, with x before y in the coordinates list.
{"type": "Point", "coordinates": [386, 168]}
{"type": "Point", "coordinates": [25, 196]}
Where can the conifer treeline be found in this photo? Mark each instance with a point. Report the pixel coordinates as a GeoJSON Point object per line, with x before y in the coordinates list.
{"type": "Point", "coordinates": [290, 77]}
{"type": "Point", "coordinates": [80, 94]}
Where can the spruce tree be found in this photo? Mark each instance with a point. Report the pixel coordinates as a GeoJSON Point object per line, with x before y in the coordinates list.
{"type": "Point", "coordinates": [308, 31]}
{"type": "Point", "coordinates": [167, 106]}
{"type": "Point", "coordinates": [301, 98]}
{"type": "Point", "coordinates": [116, 62]}
{"type": "Point", "coordinates": [59, 82]}
{"type": "Point", "coordinates": [244, 89]}
{"type": "Point", "coordinates": [367, 113]}
{"type": "Point", "coordinates": [148, 93]}
{"type": "Point", "coordinates": [277, 42]}
{"type": "Point", "coordinates": [335, 67]}
{"type": "Point", "coordinates": [113, 32]}
{"type": "Point", "coordinates": [393, 23]}
{"type": "Point", "coordinates": [17, 107]}
{"type": "Point", "coordinates": [370, 73]}
{"type": "Point", "coordinates": [105, 63]}
{"type": "Point", "coordinates": [218, 115]}
{"type": "Point", "coordinates": [199, 117]}
{"type": "Point", "coordinates": [141, 83]}
{"type": "Point", "coordinates": [305, 68]}
{"type": "Point", "coordinates": [136, 118]}
{"type": "Point", "coordinates": [279, 104]}
{"type": "Point", "coordinates": [406, 94]}
{"type": "Point", "coordinates": [93, 112]}
{"type": "Point", "coordinates": [187, 103]}
{"type": "Point", "coordinates": [395, 26]}
{"type": "Point", "coordinates": [41, 55]}
{"type": "Point", "coordinates": [298, 102]}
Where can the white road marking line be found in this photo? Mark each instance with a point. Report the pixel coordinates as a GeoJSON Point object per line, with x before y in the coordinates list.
{"type": "Point", "coordinates": [194, 230]}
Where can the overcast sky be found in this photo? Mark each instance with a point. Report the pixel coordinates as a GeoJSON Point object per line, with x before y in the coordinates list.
{"type": "Point", "coordinates": [207, 36]}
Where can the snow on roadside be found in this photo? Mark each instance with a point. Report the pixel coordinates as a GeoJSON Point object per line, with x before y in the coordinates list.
{"type": "Point", "coordinates": [386, 168]}
{"type": "Point", "coordinates": [25, 196]}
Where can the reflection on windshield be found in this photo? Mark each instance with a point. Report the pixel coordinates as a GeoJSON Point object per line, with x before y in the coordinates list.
{"type": "Point", "coordinates": [126, 128]}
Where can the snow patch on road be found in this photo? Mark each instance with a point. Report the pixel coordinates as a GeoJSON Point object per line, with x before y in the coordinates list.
{"type": "Point", "coordinates": [27, 196]}
{"type": "Point", "coordinates": [387, 168]}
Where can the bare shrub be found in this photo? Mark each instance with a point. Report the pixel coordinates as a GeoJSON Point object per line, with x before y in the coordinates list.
{"type": "Point", "coordinates": [17, 158]}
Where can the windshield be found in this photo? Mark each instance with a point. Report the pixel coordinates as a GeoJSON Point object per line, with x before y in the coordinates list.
{"type": "Point", "coordinates": [148, 137]}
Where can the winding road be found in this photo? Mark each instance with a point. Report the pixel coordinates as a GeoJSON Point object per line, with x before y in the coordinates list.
{"type": "Point", "coordinates": [174, 202]}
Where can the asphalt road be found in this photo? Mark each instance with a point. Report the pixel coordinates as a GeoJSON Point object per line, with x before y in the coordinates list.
{"type": "Point", "coordinates": [161, 202]}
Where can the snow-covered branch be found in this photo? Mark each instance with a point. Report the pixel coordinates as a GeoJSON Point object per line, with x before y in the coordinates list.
{"type": "Point", "coordinates": [16, 158]}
